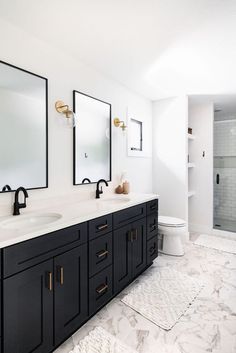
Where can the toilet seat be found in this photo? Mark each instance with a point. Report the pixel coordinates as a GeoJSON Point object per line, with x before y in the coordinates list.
{"type": "Point", "coordinates": [171, 222]}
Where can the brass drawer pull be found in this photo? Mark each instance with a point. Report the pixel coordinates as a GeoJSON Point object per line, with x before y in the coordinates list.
{"type": "Point", "coordinates": [152, 250]}
{"type": "Point", "coordinates": [102, 253]}
{"type": "Point", "coordinates": [102, 288]}
{"type": "Point", "coordinates": [153, 224]}
{"type": "Point", "coordinates": [60, 275]}
{"type": "Point", "coordinates": [49, 274]}
{"type": "Point", "coordinates": [152, 227]}
{"type": "Point", "coordinates": [102, 226]}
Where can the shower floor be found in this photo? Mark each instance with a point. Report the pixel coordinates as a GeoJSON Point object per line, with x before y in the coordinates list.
{"type": "Point", "coordinates": [225, 224]}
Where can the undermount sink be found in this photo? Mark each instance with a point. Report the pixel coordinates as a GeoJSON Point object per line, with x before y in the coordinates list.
{"type": "Point", "coordinates": [115, 200]}
{"type": "Point", "coordinates": [30, 221]}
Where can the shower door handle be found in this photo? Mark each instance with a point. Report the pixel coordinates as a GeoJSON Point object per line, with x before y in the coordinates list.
{"type": "Point", "coordinates": [217, 178]}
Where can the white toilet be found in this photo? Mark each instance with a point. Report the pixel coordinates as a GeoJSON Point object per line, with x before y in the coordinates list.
{"type": "Point", "coordinates": [172, 234]}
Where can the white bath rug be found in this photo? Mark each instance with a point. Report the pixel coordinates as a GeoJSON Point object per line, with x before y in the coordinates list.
{"type": "Point", "coordinates": [101, 341]}
{"type": "Point", "coordinates": [163, 297]}
{"type": "Point", "coordinates": [217, 243]}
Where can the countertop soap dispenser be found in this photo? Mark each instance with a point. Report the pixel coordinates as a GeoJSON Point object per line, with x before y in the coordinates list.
{"type": "Point", "coordinates": [126, 187]}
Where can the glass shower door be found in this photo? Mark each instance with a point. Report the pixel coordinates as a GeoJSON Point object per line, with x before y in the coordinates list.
{"type": "Point", "coordinates": [225, 173]}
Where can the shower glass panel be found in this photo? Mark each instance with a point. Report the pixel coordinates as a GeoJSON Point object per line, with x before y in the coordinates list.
{"type": "Point", "coordinates": [225, 169]}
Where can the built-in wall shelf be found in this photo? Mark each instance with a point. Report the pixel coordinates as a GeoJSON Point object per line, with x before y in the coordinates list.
{"type": "Point", "coordinates": [191, 165]}
{"type": "Point", "coordinates": [191, 193]}
{"type": "Point", "coordinates": [191, 137]}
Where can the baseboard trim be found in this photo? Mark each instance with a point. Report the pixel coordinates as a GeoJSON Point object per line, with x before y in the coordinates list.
{"type": "Point", "coordinates": [199, 228]}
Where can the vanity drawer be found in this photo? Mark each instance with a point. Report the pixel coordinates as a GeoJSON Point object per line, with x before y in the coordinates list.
{"type": "Point", "coordinates": [152, 249]}
{"type": "Point", "coordinates": [152, 206]}
{"type": "Point", "coordinates": [100, 290]}
{"type": "Point", "coordinates": [100, 226]}
{"type": "Point", "coordinates": [100, 253]}
{"type": "Point", "coordinates": [152, 225]}
{"type": "Point", "coordinates": [129, 215]}
{"type": "Point", "coordinates": [28, 253]}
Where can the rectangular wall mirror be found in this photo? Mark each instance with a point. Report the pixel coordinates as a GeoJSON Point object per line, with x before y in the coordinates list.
{"type": "Point", "coordinates": [92, 139]}
{"type": "Point", "coordinates": [23, 129]}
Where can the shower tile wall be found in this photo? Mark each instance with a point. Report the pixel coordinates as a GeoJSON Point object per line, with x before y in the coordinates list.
{"type": "Point", "coordinates": [225, 166]}
{"type": "Point", "coordinates": [225, 138]}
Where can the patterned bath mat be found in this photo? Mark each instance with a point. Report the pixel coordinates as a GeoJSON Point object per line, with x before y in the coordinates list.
{"type": "Point", "coordinates": [163, 296]}
{"type": "Point", "coordinates": [222, 244]}
{"type": "Point", "coordinates": [101, 341]}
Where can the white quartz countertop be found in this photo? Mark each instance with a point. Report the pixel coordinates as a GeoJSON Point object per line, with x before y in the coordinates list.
{"type": "Point", "coordinates": [74, 213]}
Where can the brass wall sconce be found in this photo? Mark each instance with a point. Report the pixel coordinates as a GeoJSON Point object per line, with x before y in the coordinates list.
{"type": "Point", "coordinates": [119, 123]}
{"type": "Point", "coordinates": [63, 108]}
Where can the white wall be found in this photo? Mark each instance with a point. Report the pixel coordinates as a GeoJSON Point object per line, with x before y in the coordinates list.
{"type": "Point", "coordinates": [170, 155]}
{"type": "Point", "coordinates": [65, 74]}
{"type": "Point", "coordinates": [201, 117]}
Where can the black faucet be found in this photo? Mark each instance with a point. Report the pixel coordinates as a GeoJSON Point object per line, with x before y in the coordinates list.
{"type": "Point", "coordinates": [6, 188]}
{"type": "Point", "coordinates": [99, 192]}
{"type": "Point", "coordinates": [86, 179]}
{"type": "Point", "coordinates": [17, 205]}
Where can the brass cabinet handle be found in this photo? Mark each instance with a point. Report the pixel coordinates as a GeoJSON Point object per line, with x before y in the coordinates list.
{"type": "Point", "coordinates": [102, 226]}
{"type": "Point", "coordinates": [153, 226]}
{"type": "Point", "coordinates": [102, 288]}
{"type": "Point", "coordinates": [49, 274]}
{"type": "Point", "coordinates": [152, 250]}
{"type": "Point", "coordinates": [61, 275]}
{"type": "Point", "coordinates": [102, 253]}
{"type": "Point", "coordinates": [130, 236]}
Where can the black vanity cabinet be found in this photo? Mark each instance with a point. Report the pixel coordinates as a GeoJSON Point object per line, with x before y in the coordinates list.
{"type": "Point", "coordinates": [52, 284]}
{"type": "Point", "coordinates": [152, 231]}
{"type": "Point", "coordinates": [100, 262]}
{"type": "Point", "coordinates": [130, 243]}
{"type": "Point", "coordinates": [122, 257]}
{"type": "Point", "coordinates": [47, 301]}
{"type": "Point", "coordinates": [54, 291]}
{"type": "Point", "coordinates": [70, 291]}
{"type": "Point", "coordinates": [28, 310]}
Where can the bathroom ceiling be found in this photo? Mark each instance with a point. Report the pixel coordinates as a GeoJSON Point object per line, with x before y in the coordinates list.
{"type": "Point", "coordinates": [224, 105]}
{"type": "Point", "coordinates": [158, 48]}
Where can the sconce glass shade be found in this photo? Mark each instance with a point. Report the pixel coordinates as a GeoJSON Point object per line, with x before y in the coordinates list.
{"type": "Point", "coordinates": [75, 119]}
{"type": "Point", "coordinates": [64, 109]}
{"type": "Point", "coordinates": [72, 120]}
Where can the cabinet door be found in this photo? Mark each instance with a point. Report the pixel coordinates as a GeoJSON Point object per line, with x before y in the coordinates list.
{"type": "Point", "coordinates": [71, 291]}
{"type": "Point", "coordinates": [139, 245]}
{"type": "Point", "coordinates": [28, 310]}
{"type": "Point", "coordinates": [122, 257]}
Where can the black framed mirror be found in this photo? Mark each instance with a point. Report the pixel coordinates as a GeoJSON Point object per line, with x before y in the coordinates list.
{"type": "Point", "coordinates": [24, 129]}
{"type": "Point", "coordinates": [92, 139]}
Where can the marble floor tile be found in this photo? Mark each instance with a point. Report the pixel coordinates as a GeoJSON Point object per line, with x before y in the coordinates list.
{"type": "Point", "coordinates": [209, 325]}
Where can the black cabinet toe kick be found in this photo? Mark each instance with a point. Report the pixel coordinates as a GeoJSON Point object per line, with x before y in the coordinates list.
{"type": "Point", "coordinates": [53, 284]}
